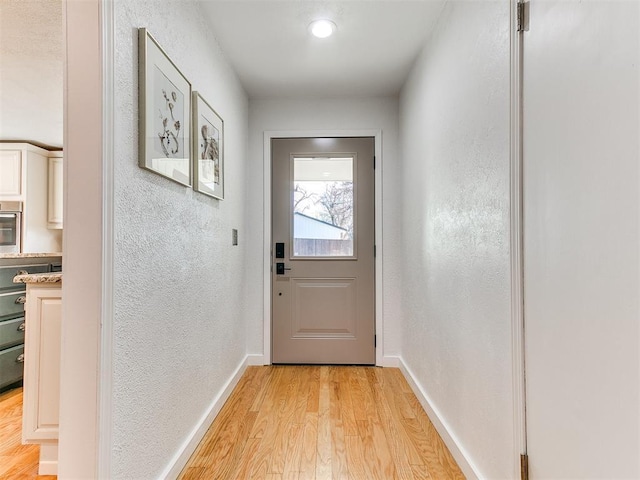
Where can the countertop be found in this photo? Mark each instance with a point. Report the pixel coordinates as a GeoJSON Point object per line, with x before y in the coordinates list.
{"type": "Point", "coordinates": [55, 277]}
{"type": "Point", "coordinates": [29, 255]}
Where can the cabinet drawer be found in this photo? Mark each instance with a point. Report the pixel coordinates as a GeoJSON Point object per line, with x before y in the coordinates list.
{"type": "Point", "coordinates": [7, 274]}
{"type": "Point", "coordinates": [11, 365]}
{"type": "Point", "coordinates": [11, 332]}
{"type": "Point", "coordinates": [12, 304]}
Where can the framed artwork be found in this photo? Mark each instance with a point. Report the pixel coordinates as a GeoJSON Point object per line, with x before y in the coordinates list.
{"type": "Point", "coordinates": [164, 113]}
{"type": "Point", "coordinates": [208, 145]}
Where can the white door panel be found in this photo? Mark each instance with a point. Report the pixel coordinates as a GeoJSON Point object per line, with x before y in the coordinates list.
{"type": "Point", "coordinates": [581, 211]}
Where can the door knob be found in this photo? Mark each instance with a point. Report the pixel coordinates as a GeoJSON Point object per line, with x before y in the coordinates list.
{"type": "Point", "coordinates": [280, 268]}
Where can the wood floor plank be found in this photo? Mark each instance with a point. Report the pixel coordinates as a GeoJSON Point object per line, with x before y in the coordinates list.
{"type": "Point", "coordinates": [323, 457]}
{"type": "Point", "coordinates": [293, 453]}
{"type": "Point", "coordinates": [194, 473]}
{"type": "Point", "coordinates": [266, 378]}
{"type": "Point", "coordinates": [378, 451]}
{"type": "Point", "coordinates": [357, 397]}
{"type": "Point", "coordinates": [400, 448]}
{"type": "Point", "coordinates": [339, 468]}
{"type": "Point", "coordinates": [439, 461]}
{"type": "Point", "coordinates": [397, 387]}
{"type": "Point", "coordinates": [410, 435]}
{"type": "Point", "coordinates": [420, 472]}
{"type": "Point", "coordinates": [313, 398]}
{"type": "Point", "coordinates": [268, 404]}
{"type": "Point", "coordinates": [219, 446]}
{"type": "Point", "coordinates": [302, 395]}
{"type": "Point", "coordinates": [346, 404]}
{"type": "Point", "coordinates": [358, 469]}
{"type": "Point", "coordinates": [374, 465]}
{"type": "Point", "coordinates": [321, 423]}
{"type": "Point", "coordinates": [17, 461]}
{"type": "Point", "coordinates": [309, 447]}
{"type": "Point", "coordinates": [278, 429]}
{"type": "Point", "coordinates": [245, 462]}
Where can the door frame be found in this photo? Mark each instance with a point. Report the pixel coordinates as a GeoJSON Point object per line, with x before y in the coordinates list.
{"type": "Point", "coordinates": [266, 252]}
{"type": "Point", "coordinates": [516, 239]}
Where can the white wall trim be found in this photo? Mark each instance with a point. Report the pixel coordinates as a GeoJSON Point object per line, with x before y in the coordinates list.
{"type": "Point", "coordinates": [255, 359]}
{"type": "Point", "coordinates": [181, 457]}
{"type": "Point", "coordinates": [391, 361]}
{"type": "Point", "coordinates": [516, 246]}
{"type": "Point", "coordinates": [266, 253]}
{"type": "Point", "coordinates": [454, 445]}
{"type": "Point", "coordinates": [83, 290]}
{"type": "Point", "coordinates": [105, 383]}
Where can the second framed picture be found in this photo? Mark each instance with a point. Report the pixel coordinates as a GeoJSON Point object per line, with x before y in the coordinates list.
{"type": "Point", "coordinates": [208, 147]}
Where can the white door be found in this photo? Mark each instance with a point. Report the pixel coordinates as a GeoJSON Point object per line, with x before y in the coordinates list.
{"type": "Point", "coordinates": [581, 211]}
{"type": "Point", "coordinates": [323, 250]}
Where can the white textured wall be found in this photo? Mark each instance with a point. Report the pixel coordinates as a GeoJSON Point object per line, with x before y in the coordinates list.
{"type": "Point", "coordinates": [326, 114]}
{"type": "Point", "coordinates": [31, 65]}
{"type": "Point", "coordinates": [582, 240]}
{"type": "Point", "coordinates": [454, 124]}
{"type": "Point", "coordinates": [179, 332]}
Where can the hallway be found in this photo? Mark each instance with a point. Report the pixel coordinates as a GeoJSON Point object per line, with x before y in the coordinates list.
{"type": "Point", "coordinates": [507, 181]}
{"type": "Point", "coordinates": [321, 422]}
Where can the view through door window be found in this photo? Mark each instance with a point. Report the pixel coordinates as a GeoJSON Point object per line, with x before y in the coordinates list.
{"type": "Point", "coordinates": [323, 207]}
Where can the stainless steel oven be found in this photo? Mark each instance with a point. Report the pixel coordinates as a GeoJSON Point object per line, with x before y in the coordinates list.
{"type": "Point", "coordinates": [10, 226]}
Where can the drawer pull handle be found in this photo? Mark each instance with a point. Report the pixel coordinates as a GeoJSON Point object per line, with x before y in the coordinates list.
{"type": "Point", "coordinates": [20, 358]}
{"type": "Point", "coordinates": [21, 300]}
{"type": "Point", "coordinates": [21, 327]}
{"type": "Point", "coordinates": [22, 272]}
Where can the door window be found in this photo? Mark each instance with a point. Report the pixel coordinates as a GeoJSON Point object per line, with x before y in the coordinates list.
{"type": "Point", "coordinates": [323, 207]}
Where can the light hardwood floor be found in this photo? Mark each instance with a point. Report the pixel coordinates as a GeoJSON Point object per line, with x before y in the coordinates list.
{"type": "Point", "coordinates": [17, 461]}
{"type": "Point", "coordinates": [322, 423]}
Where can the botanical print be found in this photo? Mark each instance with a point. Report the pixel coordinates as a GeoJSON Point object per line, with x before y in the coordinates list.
{"type": "Point", "coordinates": [209, 153]}
{"type": "Point", "coordinates": [208, 147]}
{"type": "Point", "coordinates": [168, 109]}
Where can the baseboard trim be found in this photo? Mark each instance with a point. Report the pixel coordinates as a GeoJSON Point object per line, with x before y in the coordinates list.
{"type": "Point", "coordinates": [254, 359]}
{"type": "Point", "coordinates": [190, 444]}
{"type": "Point", "coordinates": [48, 467]}
{"type": "Point", "coordinates": [48, 464]}
{"type": "Point", "coordinates": [451, 441]}
{"type": "Point", "coordinates": [390, 361]}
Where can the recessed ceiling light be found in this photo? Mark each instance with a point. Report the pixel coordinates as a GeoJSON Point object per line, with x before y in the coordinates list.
{"type": "Point", "coordinates": [322, 28]}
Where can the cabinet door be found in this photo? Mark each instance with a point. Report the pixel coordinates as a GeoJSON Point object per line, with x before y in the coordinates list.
{"type": "Point", "coordinates": [42, 364]}
{"type": "Point", "coordinates": [54, 217]}
{"type": "Point", "coordinates": [10, 174]}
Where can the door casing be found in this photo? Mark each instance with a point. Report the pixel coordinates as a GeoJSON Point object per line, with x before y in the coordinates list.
{"type": "Point", "coordinates": [381, 360]}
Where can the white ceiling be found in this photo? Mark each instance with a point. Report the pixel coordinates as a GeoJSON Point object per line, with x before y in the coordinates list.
{"type": "Point", "coordinates": [31, 69]}
{"type": "Point", "coordinates": [371, 53]}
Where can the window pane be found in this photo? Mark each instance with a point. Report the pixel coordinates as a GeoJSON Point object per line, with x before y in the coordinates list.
{"type": "Point", "coordinates": [323, 207]}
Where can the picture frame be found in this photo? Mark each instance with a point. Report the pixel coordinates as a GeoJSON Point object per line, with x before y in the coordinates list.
{"type": "Point", "coordinates": [208, 148]}
{"type": "Point", "coordinates": [164, 113]}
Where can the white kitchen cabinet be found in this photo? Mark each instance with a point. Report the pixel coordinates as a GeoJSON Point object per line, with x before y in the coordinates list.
{"type": "Point", "coordinates": [11, 175]}
{"type": "Point", "coordinates": [54, 203]}
{"type": "Point", "coordinates": [40, 417]}
{"type": "Point", "coordinates": [24, 177]}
